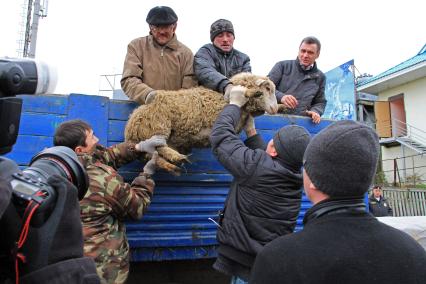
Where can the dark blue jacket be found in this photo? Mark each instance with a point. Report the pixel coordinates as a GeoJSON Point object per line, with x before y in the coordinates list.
{"type": "Point", "coordinates": [263, 202]}
{"type": "Point", "coordinates": [379, 208]}
{"type": "Point", "coordinates": [213, 67]}
{"type": "Point", "coordinates": [307, 87]}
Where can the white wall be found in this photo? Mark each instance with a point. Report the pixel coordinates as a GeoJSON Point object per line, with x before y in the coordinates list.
{"type": "Point", "coordinates": [414, 100]}
{"type": "Point", "coordinates": [414, 104]}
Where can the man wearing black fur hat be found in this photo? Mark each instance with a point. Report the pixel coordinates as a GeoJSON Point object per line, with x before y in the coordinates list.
{"type": "Point", "coordinates": [264, 199]}
{"type": "Point", "coordinates": [341, 242]}
{"type": "Point", "coordinates": [157, 61]}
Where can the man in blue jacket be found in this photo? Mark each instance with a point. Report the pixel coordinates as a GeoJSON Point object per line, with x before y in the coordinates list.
{"type": "Point", "coordinates": [264, 199]}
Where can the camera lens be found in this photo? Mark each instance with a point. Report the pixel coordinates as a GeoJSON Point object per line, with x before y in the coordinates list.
{"type": "Point", "coordinates": [62, 161]}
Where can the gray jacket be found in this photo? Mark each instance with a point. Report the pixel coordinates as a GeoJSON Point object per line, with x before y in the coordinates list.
{"type": "Point", "coordinates": [307, 86]}
{"type": "Point", "coordinates": [213, 67]}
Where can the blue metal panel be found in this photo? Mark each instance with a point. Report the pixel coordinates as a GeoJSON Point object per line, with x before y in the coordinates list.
{"type": "Point", "coordinates": [40, 124]}
{"type": "Point", "coordinates": [94, 110]}
{"type": "Point", "coordinates": [45, 104]}
{"type": "Point", "coordinates": [27, 146]}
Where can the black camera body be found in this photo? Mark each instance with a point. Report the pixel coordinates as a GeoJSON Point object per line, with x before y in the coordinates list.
{"type": "Point", "coordinates": [19, 76]}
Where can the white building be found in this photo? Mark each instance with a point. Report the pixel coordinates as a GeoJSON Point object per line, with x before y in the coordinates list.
{"type": "Point", "coordinates": [400, 112]}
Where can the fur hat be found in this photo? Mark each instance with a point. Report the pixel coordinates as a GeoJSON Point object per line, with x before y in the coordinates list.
{"type": "Point", "coordinates": [341, 160]}
{"type": "Point", "coordinates": [290, 142]}
{"type": "Point", "coordinates": [161, 15]}
{"type": "Point", "coordinates": [220, 26]}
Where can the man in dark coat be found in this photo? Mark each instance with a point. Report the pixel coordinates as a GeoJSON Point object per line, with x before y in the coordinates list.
{"type": "Point", "coordinates": [300, 85]}
{"type": "Point", "coordinates": [216, 62]}
{"type": "Point", "coordinates": [377, 204]}
{"type": "Point", "coordinates": [341, 242]}
{"type": "Point", "coordinates": [264, 199]}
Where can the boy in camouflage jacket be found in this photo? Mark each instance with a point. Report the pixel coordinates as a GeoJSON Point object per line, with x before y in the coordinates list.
{"type": "Point", "coordinates": [109, 200]}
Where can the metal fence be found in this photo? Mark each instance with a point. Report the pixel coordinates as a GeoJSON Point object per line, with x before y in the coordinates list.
{"type": "Point", "coordinates": [405, 171]}
{"type": "Point", "coordinates": [406, 202]}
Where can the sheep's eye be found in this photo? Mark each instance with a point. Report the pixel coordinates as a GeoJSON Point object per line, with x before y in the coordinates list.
{"type": "Point", "coordinates": [257, 94]}
{"type": "Point", "coordinates": [268, 89]}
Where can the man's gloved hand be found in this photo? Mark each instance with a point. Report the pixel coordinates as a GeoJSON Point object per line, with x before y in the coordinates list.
{"type": "Point", "coordinates": [151, 165]}
{"type": "Point", "coordinates": [150, 97]}
{"type": "Point", "coordinates": [227, 91]}
{"type": "Point", "coordinates": [237, 96]}
{"type": "Point", "coordinates": [149, 145]}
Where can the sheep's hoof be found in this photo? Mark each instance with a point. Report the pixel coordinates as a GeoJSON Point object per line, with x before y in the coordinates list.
{"type": "Point", "coordinates": [167, 166]}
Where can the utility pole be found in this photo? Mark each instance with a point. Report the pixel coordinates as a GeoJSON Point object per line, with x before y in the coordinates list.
{"type": "Point", "coordinates": [31, 25]}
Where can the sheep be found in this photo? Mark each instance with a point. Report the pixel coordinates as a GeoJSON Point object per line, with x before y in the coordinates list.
{"type": "Point", "coordinates": [185, 117]}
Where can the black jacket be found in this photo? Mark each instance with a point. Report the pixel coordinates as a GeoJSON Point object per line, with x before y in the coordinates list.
{"type": "Point", "coordinates": [341, 245]}
{"type": "Point", "coordinates": [263, 202]}
{"type": "Point", "coordinates": [379, 208]}
{"type": "Point", "coordinates": [308, 87]}
{"type": "Point", "coordinates": [213, 67]}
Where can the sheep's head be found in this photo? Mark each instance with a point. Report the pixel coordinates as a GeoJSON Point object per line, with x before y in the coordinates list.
{"type": "Point", "coordinates": [260, 91]}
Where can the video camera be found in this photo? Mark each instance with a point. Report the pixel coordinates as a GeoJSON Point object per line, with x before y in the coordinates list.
{"type": "Point", "coordinates": [23, 76]}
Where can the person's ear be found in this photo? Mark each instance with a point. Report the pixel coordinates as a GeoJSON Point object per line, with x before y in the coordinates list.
{"type": "Point", "coordinates": [78, 150]}
{"type": "Point", "coordinates": [273, 152]}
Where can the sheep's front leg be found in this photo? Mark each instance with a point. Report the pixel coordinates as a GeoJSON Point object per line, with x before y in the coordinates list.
{"type": "Point", "coordinates": [172, 155]}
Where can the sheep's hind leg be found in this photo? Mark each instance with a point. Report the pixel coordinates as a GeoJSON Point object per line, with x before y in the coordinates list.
{"type": "Point", "coordinates": [166, 165]}
{"type": "Point", "coordinates": [172, 155]}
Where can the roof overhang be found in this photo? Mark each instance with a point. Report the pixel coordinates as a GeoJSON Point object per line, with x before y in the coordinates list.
{"type": "Point", "coordinates": [395, 79]}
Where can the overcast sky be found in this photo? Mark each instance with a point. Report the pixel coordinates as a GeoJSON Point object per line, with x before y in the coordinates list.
{"type": "Point", "coordinates": [87, 38]}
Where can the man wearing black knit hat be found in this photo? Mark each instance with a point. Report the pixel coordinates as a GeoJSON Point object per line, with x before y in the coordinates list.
{"type": "Point", "coordinates": [341, 242]}
{"type": "Point", "coordinates": [216, 62]}
{"type": "Point", "coordinates": [157, 61]}
{"type": "Point", "coordinates": [264, 199]}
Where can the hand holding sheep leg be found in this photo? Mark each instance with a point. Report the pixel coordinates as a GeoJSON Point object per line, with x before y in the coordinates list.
{"type": "Point", "coordinates": [249, 127]}
{"type": "Point", "coordinates": [149, 145]}
{"type": "Point", "coordinates": [227, 91]}
{"type": "Point", "coordinates": [237, 96]}
{"type": "Point", "coordinates": [151, 165]}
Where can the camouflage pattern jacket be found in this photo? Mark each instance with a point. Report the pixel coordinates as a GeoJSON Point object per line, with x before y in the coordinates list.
{"type": "Point", "coordinates": [107, 203]}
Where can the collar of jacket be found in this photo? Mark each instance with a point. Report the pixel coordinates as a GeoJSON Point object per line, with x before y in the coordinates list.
{"type": "Point", "coordinates": [172, 44]}
{"type": "Point", "coordinates": [332, 206]}
{"type": "Point", "coordinates": [314, 68]}
{"type": "Point", "coordinates": [90, 158]}
{"type": "Point", "coordinates": [221, 51]}
{"type": "Point", "coordinates": [291, 166]}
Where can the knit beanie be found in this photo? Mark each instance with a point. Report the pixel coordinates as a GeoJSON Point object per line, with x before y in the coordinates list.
{"type": "Point", "coordinates": [220, 26]}
{"type": "Point", "coordinates": [341, 159]}
{"type": "Point", "coordinates": [161, 15]}
{"type": "Point", "coordinates": [290, 142]}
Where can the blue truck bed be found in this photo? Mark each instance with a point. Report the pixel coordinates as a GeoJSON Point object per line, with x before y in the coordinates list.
{"type": "Point", "coordinates": [176, 225]}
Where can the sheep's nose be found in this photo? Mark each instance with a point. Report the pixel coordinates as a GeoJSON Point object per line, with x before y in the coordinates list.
{"type": "Point", "coordinates": [272, 109]}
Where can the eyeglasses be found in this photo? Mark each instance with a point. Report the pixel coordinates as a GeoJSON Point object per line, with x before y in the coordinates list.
{"type": "Point", "coordinates": [161, 27]}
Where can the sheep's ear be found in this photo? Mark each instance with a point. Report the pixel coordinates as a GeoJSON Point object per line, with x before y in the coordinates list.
{"type": "Point", "coordinates": [259, 82]}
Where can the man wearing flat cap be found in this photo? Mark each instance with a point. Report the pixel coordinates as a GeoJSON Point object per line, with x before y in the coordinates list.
{"type": "Point", "coordinates": [157, 61]}
{"type": "Point", "coordinates": [341, 242]}
{"type": "Point", "coordinates": [265, 197]}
